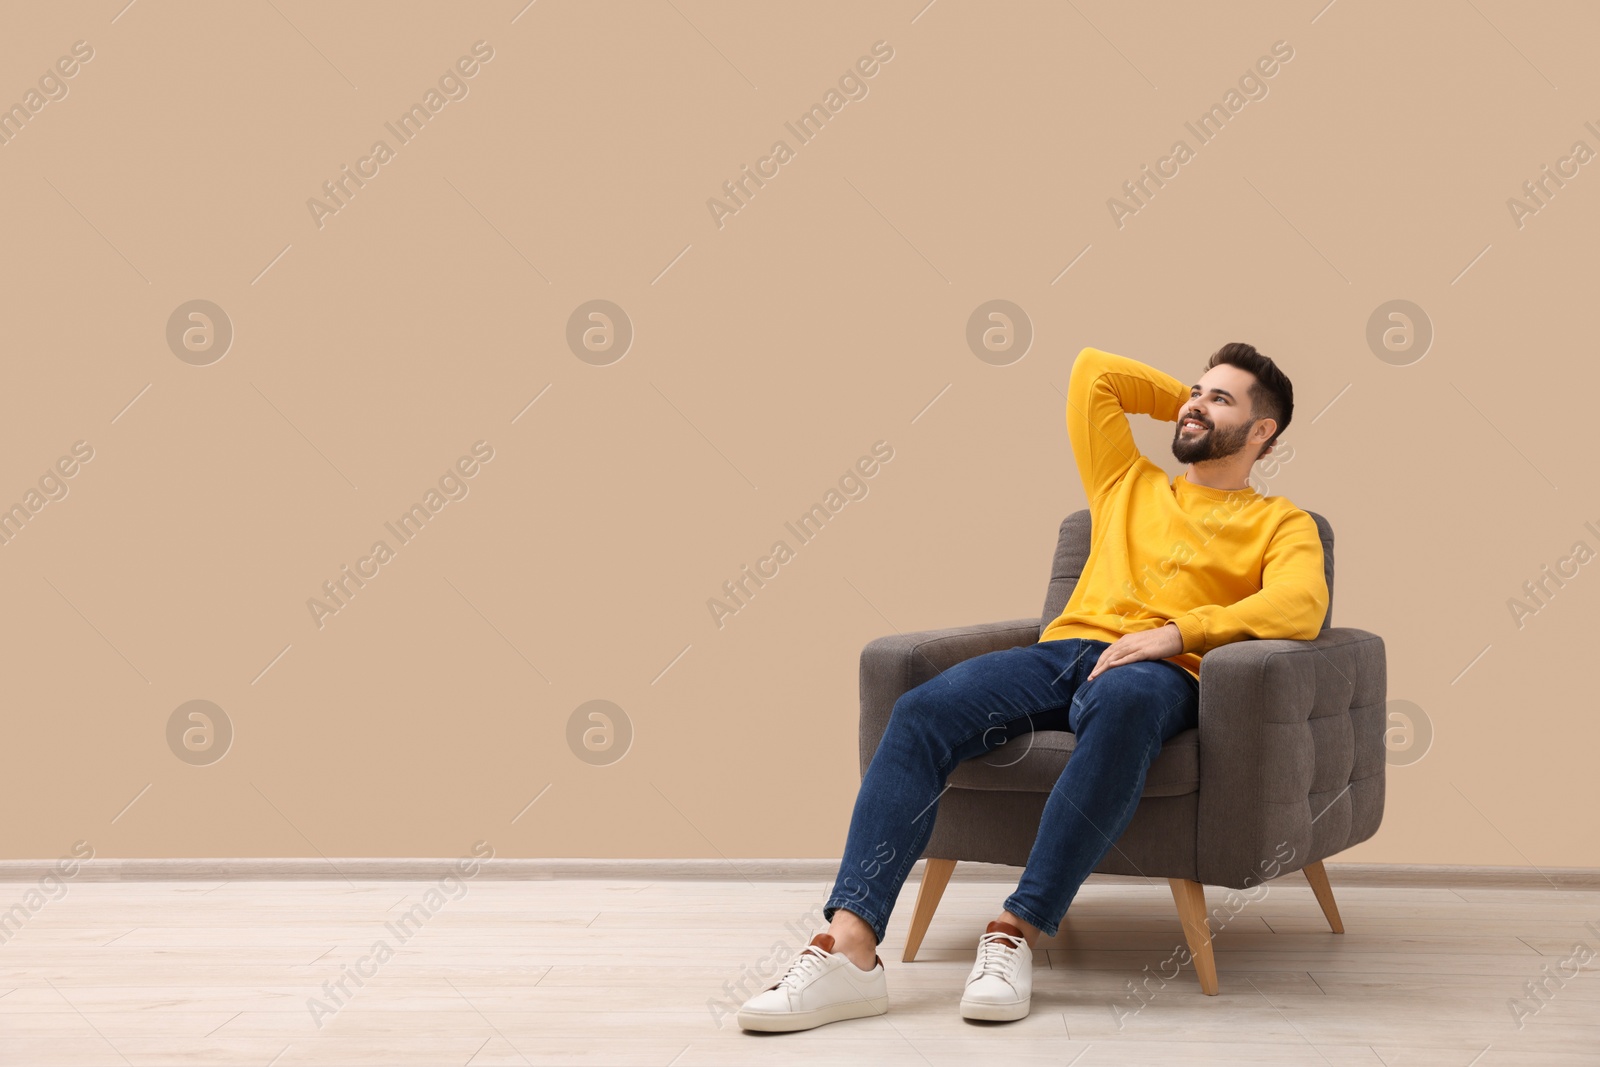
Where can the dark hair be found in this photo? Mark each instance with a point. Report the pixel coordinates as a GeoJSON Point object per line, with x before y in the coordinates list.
{"type": "Point", "coordinates": [1271, 394]}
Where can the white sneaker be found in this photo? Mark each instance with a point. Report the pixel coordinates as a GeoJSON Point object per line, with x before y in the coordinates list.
{"type": "Point", "coordinates": [1001, 983]}
{"type": "Point", "coordinates": [820, 986]}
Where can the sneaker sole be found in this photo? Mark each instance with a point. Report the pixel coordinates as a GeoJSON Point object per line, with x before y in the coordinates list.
{"type": "Point", "coordinates": [781, 1022]}
{"type": "Point", "coordinates": [995, 1012]}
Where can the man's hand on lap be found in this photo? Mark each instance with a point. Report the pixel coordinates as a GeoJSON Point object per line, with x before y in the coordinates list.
{"type": "Point", "coordinates": [1162, 642]}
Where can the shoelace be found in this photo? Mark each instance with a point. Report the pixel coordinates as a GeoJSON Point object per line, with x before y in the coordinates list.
{"type": "Point", "coordinates": [806, 963]}
{"type": "Point", "coordinates": [999, 954]}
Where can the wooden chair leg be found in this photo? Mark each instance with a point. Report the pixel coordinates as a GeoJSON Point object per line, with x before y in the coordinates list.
{"type": "Point", "coordinates": [1191, 900]}
{"type": "Point", "coordinates": [1318, 877]}
{"type": "Point", "coordinates": [935, 876]}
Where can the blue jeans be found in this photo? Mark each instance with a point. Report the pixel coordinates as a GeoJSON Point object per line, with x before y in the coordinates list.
{"type": "Point", "coordinates": [1120, 721]}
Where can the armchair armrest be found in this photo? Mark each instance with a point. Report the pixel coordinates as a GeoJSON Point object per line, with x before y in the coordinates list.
{"type": "Point", "coordinates": [1292, 753]}
{"type": "Point", "coordinates": [894, 665]}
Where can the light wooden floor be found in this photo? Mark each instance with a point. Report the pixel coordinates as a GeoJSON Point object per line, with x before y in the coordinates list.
{"type": "Point", "coordinates": [611, 972]}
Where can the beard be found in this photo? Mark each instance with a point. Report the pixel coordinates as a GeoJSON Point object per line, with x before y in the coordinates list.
{"type": "Point", "coordinates": [1208, 444]}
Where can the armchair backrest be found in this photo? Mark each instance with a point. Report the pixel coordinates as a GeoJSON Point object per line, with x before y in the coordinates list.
{"type": "Point", "coordinates": [1072, 551]}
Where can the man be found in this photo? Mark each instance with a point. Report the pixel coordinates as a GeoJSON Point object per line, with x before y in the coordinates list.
{"type": "Point", "coordinates": [1175, 569]}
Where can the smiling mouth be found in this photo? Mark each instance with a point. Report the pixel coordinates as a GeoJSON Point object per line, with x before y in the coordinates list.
{"type": "Point", "coordinates": [1191, 424]}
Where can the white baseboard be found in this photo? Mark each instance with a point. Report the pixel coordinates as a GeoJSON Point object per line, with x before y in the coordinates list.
{"type": "Point", "coordinates": [714, 870]}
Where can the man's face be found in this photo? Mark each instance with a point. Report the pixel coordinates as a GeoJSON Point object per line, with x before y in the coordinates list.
{"type": "Point", "coordinates": [1221, 404]}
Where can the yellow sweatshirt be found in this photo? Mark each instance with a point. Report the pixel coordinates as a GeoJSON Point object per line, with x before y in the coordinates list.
{"type": "Point", "coordinates": [1223, 565]}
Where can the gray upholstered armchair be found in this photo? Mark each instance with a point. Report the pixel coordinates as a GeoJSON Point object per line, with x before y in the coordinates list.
{"type": "Point", "coordinates": [1288, 760]}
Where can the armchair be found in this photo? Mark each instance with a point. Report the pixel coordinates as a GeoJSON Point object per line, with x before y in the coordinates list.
{"type": "Point", "coordinates": [1288, 757]}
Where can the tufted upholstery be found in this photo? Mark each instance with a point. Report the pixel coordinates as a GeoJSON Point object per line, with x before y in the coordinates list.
{"type": "Point", "coordinates": [1289, 752]}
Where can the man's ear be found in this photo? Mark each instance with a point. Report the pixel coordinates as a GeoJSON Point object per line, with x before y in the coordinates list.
{"type": "Point", "coordinates": [1271, 428]}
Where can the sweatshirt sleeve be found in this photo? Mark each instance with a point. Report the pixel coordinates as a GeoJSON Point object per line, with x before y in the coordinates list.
{"type": "Point", "coordinates": [1292, 602]}
{"type": "Point", "coordinates": [1103, 391]}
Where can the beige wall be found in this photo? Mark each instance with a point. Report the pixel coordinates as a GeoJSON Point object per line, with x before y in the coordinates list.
{"type": "Point", "coordinates": [373, 346]}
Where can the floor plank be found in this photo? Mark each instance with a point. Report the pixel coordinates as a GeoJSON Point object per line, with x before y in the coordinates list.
{"type": "Point", "coordinates": [566, 970]}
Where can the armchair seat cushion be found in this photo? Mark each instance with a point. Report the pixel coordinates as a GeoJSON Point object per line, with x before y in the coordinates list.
{"type": "Point", "coordinates": [1018, 766]}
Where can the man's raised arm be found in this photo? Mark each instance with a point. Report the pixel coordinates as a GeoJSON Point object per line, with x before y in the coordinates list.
{"type": "Point", "coordinates": [1292, 602]}
{"type": "Point", "coordinates": [1103, 391]}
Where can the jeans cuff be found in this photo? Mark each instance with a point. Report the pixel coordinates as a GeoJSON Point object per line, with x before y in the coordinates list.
{"type": "Point", "coordinates": [858, 910]}
{"type": "Point", "coordinates": [1046, 929]}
